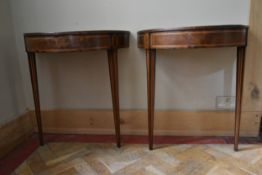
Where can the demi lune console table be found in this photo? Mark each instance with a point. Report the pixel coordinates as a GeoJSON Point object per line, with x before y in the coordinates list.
{"type": "Point", "coordinates": [79, 41]}
{"type": "Point", "coordinates": [193, 37]}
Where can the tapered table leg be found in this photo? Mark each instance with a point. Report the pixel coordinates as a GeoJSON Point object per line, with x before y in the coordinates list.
{"type": "Point", "coordinates": [151, 66]}
{"type": "Point", "coordinates": [33, 73]}
{"type": "Point", "coordinates": [239, 90]}
{"type": "Point", "coordinates": [113, 71]}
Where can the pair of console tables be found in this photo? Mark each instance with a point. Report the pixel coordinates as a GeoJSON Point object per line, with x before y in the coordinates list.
{"type": "Point", "coordinates": [150, 40]}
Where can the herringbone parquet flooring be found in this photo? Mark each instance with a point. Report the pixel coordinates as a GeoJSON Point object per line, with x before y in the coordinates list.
{"type": "Point", "coordinates": [106, 159]}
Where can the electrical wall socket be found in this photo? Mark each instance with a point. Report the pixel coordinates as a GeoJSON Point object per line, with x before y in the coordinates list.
{"type": "Point", "coordinates": [225, 102]}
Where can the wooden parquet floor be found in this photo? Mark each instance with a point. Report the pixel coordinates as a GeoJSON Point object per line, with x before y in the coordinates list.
{"type": "Point", "coordinates": [106, 159]}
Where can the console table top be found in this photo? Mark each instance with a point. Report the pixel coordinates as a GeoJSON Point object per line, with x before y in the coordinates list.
{"type": "Point", "coordinates": [88, 32]}
{"type": "Point", "coordinates": [195, 28]}
{"type": "Point", "coordinates": [193, 37]}
{"type": "Point", "coordinates": [76, 41]}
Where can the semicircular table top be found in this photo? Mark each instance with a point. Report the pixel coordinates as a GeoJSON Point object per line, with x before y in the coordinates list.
{"type": "Point", "coordinates": [76, 41]}
{"type": "Point", "coordinates": [193, 37]}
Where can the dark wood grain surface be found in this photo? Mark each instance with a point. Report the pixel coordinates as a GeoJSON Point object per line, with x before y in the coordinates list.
{"type": "Point", "coordinates": [193, 37]}
{"type": "Point", "coordinates": [78, 41]}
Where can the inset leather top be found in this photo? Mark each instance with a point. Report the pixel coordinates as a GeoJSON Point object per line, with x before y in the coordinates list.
{"type": "Point", "coordinates": [194, 37]}
{"type": "Point", "coordinates": [76, 41]}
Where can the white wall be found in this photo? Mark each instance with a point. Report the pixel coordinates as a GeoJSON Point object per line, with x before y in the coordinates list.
{"type": "Point", "coordinates": [12, 103]}
{"type": "Point", "coordinates": [186, 79]}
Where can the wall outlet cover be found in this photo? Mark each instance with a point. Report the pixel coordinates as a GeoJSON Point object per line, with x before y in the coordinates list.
{"type": "Point", "coordinates": [225, 102]}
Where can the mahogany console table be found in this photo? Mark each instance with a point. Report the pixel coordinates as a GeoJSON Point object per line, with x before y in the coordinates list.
{"type": "Point", "coordinates": [193, 37]}
{"type": "Point", "coordinates": [80, 41]}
